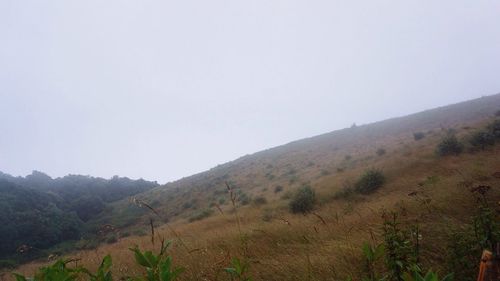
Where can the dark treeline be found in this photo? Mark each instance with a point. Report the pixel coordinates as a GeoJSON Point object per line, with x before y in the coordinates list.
{"type": "Point", "coordinates": [38, 212]}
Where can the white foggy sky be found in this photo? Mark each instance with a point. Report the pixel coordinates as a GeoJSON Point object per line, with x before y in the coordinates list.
{"type": "Point", "coordinates": [165, 89]}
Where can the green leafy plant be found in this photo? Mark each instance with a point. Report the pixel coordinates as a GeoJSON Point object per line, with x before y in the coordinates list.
{"type": "Point", "coordinates": [401, 252]}
{"type": "Point", "coordinates": [158, 267]}
{"type": "Point", "coordinates": [462, 253]}
{"type": "Point", "coordinates": [103, 272]}
{"type": "Point", "coordinates": [56, 272]}
{"type": "Point", "coordinates": [238, 270]}
{"type": "Point", "coordinates": [430, 276]}
{"type": "Point", "coordinates": [372, 254]}
{"type": "Point", "coordinates": [370, 181]}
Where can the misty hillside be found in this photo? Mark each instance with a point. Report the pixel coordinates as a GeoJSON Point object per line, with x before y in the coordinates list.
{"type": "Point", "coordinates": [350, 179]}
{"type": "Point", "coordinates": [312, 160]}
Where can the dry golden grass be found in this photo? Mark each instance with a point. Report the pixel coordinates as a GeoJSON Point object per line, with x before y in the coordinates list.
{"type": "Point", "coordinates": [325, 246]}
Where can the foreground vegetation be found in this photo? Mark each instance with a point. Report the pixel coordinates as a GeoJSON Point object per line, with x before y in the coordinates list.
{"type": "Point", "coordinates": [396, 258]}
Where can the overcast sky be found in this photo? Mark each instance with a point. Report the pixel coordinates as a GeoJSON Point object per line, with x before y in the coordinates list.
{"type": "Point", "coordinates": [164, 89]}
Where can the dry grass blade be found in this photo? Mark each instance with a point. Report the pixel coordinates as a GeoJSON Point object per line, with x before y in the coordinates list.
{"type": "Point", "coordinates": [141, 203]}
{"type": "Point", "coordinates": [319, 217]}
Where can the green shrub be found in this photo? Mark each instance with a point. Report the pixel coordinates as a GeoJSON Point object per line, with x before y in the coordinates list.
{"type": "Point", "coordinates": [481, 140]}
{"type": "Point", "coordinates": [343, 193]}
{"type": "Point", "coordinates": [303, 200]}
{"type": "Point", "coordinates": [462, 253]}
{"type": "Point", "coordinates": [370, 181]}
{"type": "Point", "coordinates": [187, 205]}
{"type": "Point", "coordinates": [158, 267]}
{"type": "Point", "coordinates": [87, 244]}
{"type": "Point", "coordinates": [8, 264]}
{"type": "Point", "coordinates": [449, 145]}
{"type": "Point", "coordinates": [238, 270]}
{"type": "Point", "coordinates": [201, 215]}
{"type": "Point", "coordinates": [418, 136]}
{"type": "Point", "coordinates": [494, 129]}
{"type": "Point", "coordinates": [401, 247]}
{"type": "Point", "coordinates": [267, 215]}
{"type": "Point", "coordinates": [430, 276]}
{"type": "Point", "coordinates": [380, 151]}
{"type": "Point", "coordinates": [56, 272]}
{"type": "Point", "coordinates": [259, 200]}
{"type": "Point", "coordinates": [244, 199]}
{"type": "Point", "coordinates": [111, 239]}
{"type": "Point", "coordinates": [140, 232]}
{"type": "Point", "coordinates": [103, 272]}
{"type": "Point", "coordinates": [278, 189]}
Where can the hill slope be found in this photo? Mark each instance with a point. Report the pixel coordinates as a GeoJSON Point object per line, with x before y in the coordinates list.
{"type": "Point", "coordinates": [426, 191]}
{"type": "Point", "coordinates": [309, 160]}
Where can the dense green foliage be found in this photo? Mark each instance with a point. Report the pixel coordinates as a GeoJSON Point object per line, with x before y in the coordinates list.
{"type": "Point", "coordinates": [38, 212]}
{"type": "Point", "coordinates": [418, 136]}
{"type": "Point", "coordinates": [370, 181]}
{"type": "Point", "coordinates": [481, 140]}
{"type": "Point", "coordinates": [381, 151]}
{"type": "Point", "coordinates": [158, 267]}
{"type": "Point", "coordinates": [449, 145]}
{"type": "Point", "coordinates": [32, 221]}
{"type": "Point", "coordinates": [494, 129]}
{"type": "Point", "coordinates": [303, 200]}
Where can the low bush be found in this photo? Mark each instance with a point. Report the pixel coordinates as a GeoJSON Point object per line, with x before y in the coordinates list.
{"type": "Point", "coordinates": [201, 215]}
{"type": "Point", "coordinates": [303, 200]}
{"type": "Point", "coordinates": [370, 181]}
{"type": "Point", "coordinates": [449, 145]}
{"type": "Point", "coordinates": [111, 239]}
{"type": "Point", "coordinates": [494, 129]}
{"type": "Point", "coordinates": [344, 192]}
{"type": "Point", "coordinates": [380, 151]}
{"type": "Point", "coordinates": [267, 215]}
{"type": "Point", "coordinates": [481, 140]}
{"type": "Point", "coordinates": [259, 200]}
{"type": "Point", "coordinates": [8, 264]}
{"type": "Point", "coordinates": [244, 199]}
{"type": "Point", "coordinates": [278, 189]}
{"type": "Point", "coordinates": [418, 136]}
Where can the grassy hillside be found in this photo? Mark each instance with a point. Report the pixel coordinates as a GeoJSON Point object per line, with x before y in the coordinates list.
{"type": "Point", "coordinates": [425, 190]}
{"type": "Point", "coordinates": [339, 154]}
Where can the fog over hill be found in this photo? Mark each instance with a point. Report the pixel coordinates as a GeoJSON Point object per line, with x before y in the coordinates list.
{"type": "Point", "coordinates": [162, 90]}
